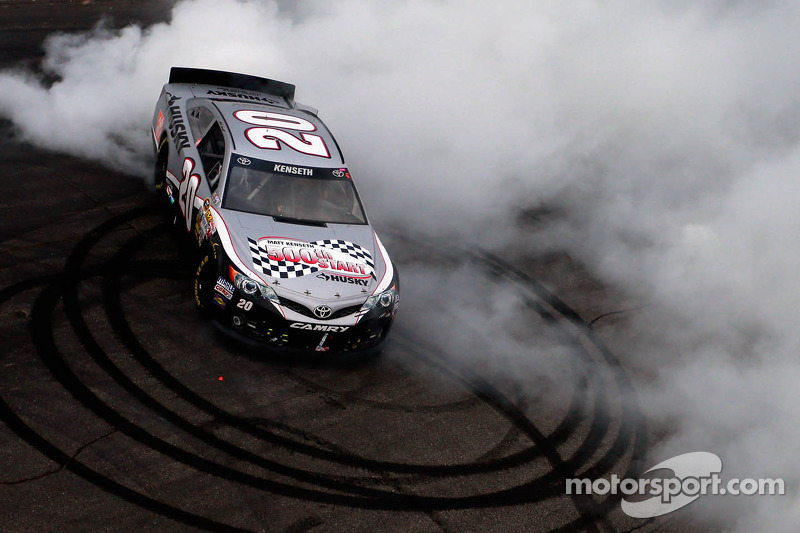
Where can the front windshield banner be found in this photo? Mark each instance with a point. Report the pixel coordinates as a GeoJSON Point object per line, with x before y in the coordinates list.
{"type": "Point", "coordinates": [313, 194]}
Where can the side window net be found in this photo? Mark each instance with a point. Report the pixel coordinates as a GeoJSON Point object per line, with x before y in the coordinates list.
{"type": "Point", "coordinates": [200, 119]}
{"type": "Point", "coordinates": [212, 151]}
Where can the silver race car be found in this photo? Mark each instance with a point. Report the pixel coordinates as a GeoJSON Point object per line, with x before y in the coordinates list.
{"type": "Point", "coordinates": [288, 257]}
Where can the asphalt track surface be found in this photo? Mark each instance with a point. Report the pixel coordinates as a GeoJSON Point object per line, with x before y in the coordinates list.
{"type": "Point", "coordinates": [123, 410]}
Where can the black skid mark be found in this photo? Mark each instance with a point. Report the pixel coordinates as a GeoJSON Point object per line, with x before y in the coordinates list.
{"type": "Point", "coordinates": [632, 433]}
{"type": "Point", "coordinates": [384, 499]}
{"type": "Point", "coordinates": [304, 484]}
{"type": "Point", "coordinates": [126, 335]}
{"type": "Point", "coordinates": [41, 327]}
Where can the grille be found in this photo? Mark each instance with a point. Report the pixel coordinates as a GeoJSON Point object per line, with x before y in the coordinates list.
{"type": "Point", "coordinates": [296, 307]}
{"type": "Point", "coordinates": [345, 311]}
{"type": "Point", "coordinates": [305, 311]}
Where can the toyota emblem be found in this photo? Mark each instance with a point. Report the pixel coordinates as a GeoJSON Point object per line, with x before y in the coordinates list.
{"type": "Point", "coordinates": [338, 173]}
{"type": "Point", "coordinates": [243, 161]}
{"type": "Point", "coordinates": [322, 311]}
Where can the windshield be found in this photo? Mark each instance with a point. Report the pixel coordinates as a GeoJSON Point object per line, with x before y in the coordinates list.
{"type": "Point", "coordinates": [292, 192]}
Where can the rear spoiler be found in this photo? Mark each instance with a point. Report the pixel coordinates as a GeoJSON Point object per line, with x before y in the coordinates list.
{"type": "Point", "coordinates": [233, 80]}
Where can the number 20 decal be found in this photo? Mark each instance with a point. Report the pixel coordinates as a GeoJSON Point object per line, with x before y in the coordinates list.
{"type": "Point", "coordinates": [271, 128]}
{"type": "Point", "coordinates": [187, 191]}
{"type": "Point", "coordinates": [244, 304]}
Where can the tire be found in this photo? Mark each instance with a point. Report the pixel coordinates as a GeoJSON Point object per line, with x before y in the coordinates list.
{"type": "Point", "coordinates": [160, 167]}
{"type": "Point", "coordinates": [159, 181]}
{"type": "Point", "coordinates": [205, 278]}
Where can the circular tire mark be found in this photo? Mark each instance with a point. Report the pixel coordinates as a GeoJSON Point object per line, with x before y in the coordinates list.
{"type": "Point", "coordinates": [351, 490]}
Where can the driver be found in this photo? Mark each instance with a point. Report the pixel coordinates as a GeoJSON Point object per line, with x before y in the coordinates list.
{"type": "Point", "coordinates": [308, 199]}
{"type": "Point", "coordinates": [280, 193]}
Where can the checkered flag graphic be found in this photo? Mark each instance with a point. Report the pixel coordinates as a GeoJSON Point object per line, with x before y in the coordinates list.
{"type": "Point", "coordinates": [353, 250]}
{"type": "Point", "coordinates": [288, 269]}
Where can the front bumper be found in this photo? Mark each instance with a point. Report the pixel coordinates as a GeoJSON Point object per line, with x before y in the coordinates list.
{"type": "Point", "coordinates": [254, 320]}
{"type": "Point", "coordinates": [260, 327]}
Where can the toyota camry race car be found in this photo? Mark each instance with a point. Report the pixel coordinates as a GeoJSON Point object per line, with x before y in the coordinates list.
{"type": "Point", "coordinates": [288, 257]}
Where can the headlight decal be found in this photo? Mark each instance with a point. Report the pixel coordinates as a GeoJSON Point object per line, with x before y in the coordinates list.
{"type": "Point", "coordinates": [383, 285]}
{"type": "Point", "coordinates": [252, 287]}
{"type": "Point", "coordinates": [388, 275]}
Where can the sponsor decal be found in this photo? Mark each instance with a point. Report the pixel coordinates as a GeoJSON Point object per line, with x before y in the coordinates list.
{"type": "Point", "coordinates": [281, 168]}
{"type": "Point", "coordinates": [199, 231]}
{"type": "Point", "coordinates": [285, 258]}
{"type": "Point", "coordinates": [319, 327]}
{"type": "Point", "coordinates": [343, 279]}
{"type": "Point", "coordinates": [177, 128]}
{"type": "Point", "coordinates": [240, 95]}
{"type": "Point", "coordinates": [206, 222]}
{"type": "Point", "coordinates": [219, 301]}
{"type": "Point", "coordinates": [321, 346]}
{"type": "Point", "coordinates": [159, 124]}
{"type": "Point", "coordinates": [302, 171]}
{"type": "Point", "coordinates": [224, 287]}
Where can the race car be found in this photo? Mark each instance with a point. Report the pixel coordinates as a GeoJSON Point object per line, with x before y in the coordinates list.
{"type": "Point", "coordinates": [288, 258]}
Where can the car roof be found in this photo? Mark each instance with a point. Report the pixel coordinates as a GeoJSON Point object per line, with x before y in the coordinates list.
{"type": "Point", "coordinates": [250, 111]}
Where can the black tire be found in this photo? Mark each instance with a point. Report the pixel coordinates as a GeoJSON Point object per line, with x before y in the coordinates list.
{"type": "Point", "coordinates": [205, 278]}
{"type": "Point", "coordinates": [160, 168]}
{"type": "Point", "coordinates": [159, 181]}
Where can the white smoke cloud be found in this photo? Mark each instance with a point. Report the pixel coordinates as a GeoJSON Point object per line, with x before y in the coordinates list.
{"type": "Point", "coordinates": [666, 133]}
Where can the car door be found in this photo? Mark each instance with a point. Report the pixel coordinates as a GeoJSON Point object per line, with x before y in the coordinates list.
{"type": "Point", "coordinates": [210, 143]}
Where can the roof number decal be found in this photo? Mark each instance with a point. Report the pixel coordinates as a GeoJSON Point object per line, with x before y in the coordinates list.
{"type": "Point", "coordinates": [271, 131]}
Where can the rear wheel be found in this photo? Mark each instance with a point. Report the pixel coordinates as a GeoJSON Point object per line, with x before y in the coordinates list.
{"type": "Point", "coordinates": [160, 168]}
{"type": "Point", "coordinates": [204, 280]}
{"type": "Point", "coordinates": [159, 183]}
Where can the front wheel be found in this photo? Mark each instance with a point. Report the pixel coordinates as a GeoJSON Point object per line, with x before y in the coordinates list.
{"type": "Point", "coordinates": [204, 280]}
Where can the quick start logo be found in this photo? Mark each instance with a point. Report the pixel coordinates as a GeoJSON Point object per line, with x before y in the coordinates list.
{"type": "Point", "coordinates": [284, 258]}
{"type": "Point", "coordinates": [309, 254]}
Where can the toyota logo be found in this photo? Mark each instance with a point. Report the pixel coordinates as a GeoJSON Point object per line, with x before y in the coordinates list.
{"type": "Point", "coordinates": [322, 311]}
{"type": "Point", "coordinates": [243, 161]}
{"type": "Point", "coordinates": [338, 173]}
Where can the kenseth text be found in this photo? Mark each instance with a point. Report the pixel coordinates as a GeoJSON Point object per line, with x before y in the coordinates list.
{"type": "Point", "coordinates": [300, 171]}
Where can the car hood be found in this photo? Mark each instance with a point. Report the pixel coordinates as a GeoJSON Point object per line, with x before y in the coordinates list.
{"type": "Point", "coordinates": [338, 263]}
